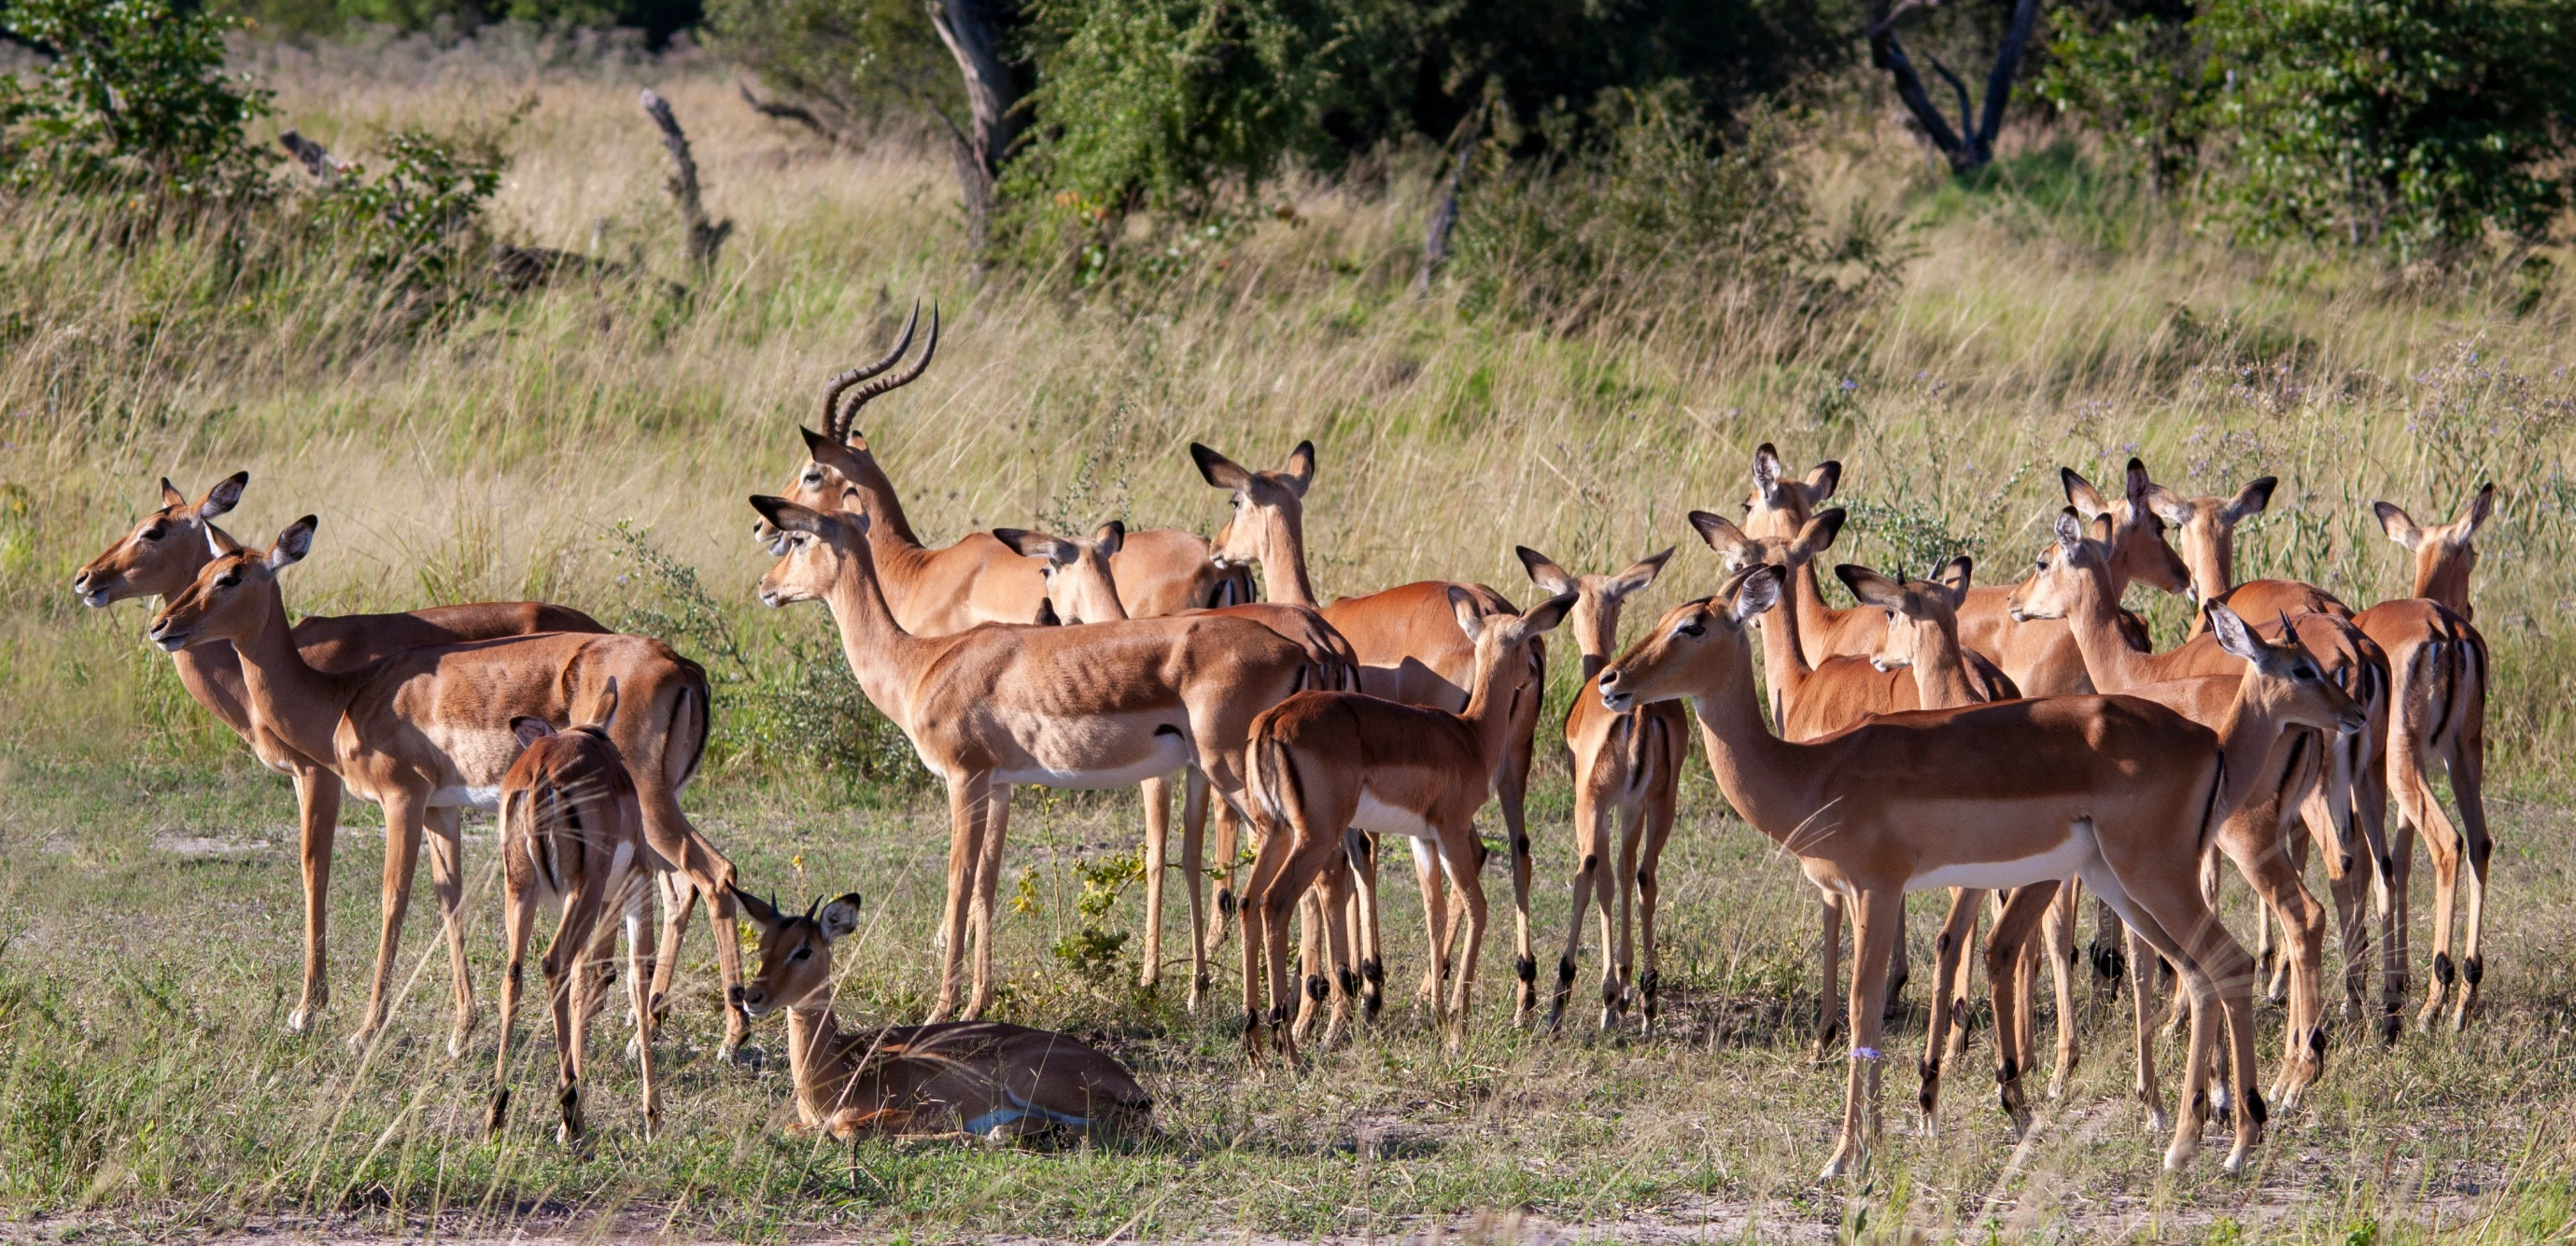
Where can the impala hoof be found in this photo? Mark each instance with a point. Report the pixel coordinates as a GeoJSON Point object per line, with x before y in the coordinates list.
{"type": "Point", "coordinates": [2179, 1155]}
{"type": "Point", "coordinates": [301, 1020]}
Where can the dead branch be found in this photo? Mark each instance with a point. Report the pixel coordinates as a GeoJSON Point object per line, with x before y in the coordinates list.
{"type": "Point", "coordinates": [784, 111]}
{"type": "Point", "coordinates": [705, 239]}
{"type": "Point", "coordinates": [315, 158]}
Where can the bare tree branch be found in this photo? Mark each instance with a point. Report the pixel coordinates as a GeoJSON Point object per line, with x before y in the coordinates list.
{"type": "Point", "coordinates": [1888, 54]}
{"type": "Point", "coordinates": [1444, 217]}
{"type": "Point", "coordinates": [1967, 112]}
{"type": "Point", "coordinates": [973, 36]}
{"type": "Point", "coordinates": [785, 111]}
{"type": "Point", "coordinates": [705, 240]}
{"type": "Point", "coordinates": [2007, 66]}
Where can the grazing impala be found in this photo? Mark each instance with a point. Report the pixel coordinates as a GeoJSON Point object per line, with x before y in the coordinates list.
{"type": "Point", "coordinates": [428, 729]}
{"type": "Point", "coordinates": [1628, 767]}
{"type": "Point", "coordinates": [161, 556]}
{"type": "Point", "coordinates": [2119, 792]}
{"type": "Point", "coordinates": [572, 831]}
{"type": "Point", "coordinates": [1323, 763]}
{"type": "Point", "coordinates": [2438, 661]}
{"type": "Point", "coordinates": [980, 1079]}
{"type": "Point", "coordinates": [1410, 651]}
{"type": "Point", "coordinates": [1089, 707]}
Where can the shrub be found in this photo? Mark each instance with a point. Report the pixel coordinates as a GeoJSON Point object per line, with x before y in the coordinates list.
{"type": "Point", "coordinates": [412, 222]}
{"type": "Point", "coordinates": [1658, 219]}
{"type": "Point", "coordinates": [135, 98]}
{"type": "Point", "coordinates": [852, 65]}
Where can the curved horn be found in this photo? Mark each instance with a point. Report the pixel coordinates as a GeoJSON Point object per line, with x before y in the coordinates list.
{"type": "Point", "coordinates": [834, 428]}
{"type": "Point", "coordinates": [880, 388]}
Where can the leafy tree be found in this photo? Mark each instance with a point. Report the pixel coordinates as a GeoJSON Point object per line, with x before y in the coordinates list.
{"type": "Point", "coordinates": [135, 97]}
{"type": "Point", "coordinates": [2142, 79]}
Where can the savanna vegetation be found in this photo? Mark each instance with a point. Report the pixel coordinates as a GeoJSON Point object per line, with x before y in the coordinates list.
{"type": "Point", "coordinates": [476, 338]}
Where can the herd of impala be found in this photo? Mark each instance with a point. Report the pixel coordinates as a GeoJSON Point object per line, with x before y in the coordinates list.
{"type": "Point", "coordinates": [2024, 741]}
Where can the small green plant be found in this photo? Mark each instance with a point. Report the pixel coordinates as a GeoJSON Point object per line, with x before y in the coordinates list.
{"type": "Point", "coordinates": [411, 222]}
{"type": "Point", "coordinates": [136, 99]}
{"type": "Point", "coordinates": [1094, 949]}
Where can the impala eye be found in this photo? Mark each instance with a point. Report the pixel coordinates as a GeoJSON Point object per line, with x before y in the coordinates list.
{"type": "Point", "coordinates": [227, 580]}
{"type": "Point", "coordinates": [1690, 629]}
{"type": "Point", "coordinates": [814, 480]}
{"type": "Point", "coordinates": [152, 533]}
{"type": "Point", "coordinates": [800, 953]}
{"type": "Point", "coordinates": [2304, 672]}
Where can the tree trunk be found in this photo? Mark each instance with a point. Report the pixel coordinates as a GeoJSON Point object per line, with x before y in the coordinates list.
{"type": "Point", "coordinates": [1972, 145]}
{"type": "Point", "coordinates": [972, 29]}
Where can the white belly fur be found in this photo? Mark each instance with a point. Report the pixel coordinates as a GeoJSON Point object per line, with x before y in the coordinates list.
{"type": "Point", "coordinates": [487, 799]}
{"type": "Point", "coordinates": [1379, 818]}
{"type": "Point", "coordinates": [2066, 860]}
{"type": "Point", "coordinates": [1170, 753]}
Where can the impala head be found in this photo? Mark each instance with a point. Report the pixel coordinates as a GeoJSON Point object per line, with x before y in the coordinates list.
{"type": "Point", "coordinates": [2444, 553]}
{"type": "Point", "coordinates": [1919, 612]}
{"type": "Point", "coordinates": [1699, 648]}
{"type": "Point", "coordinates": [161, 555]}
{"type": "Point", "coordinates": [2138, 553]}
{"type": "Point", "coordinates": [814, 547]}
{"type": "Point", "coordinates": [2066, 568]}
{"type": "Point", "coordinates": [2205, 528]}
{"type": "Point", "coordinates": [1796, 548]}
{"type": "Point", "coordinates": [1079, 586]}
{"type": "Point", "coordinates": [1598, 598]}
{"type": "Point", "coordinates": [795, 953]}
{"type": "Point", "coordinates": [234, 596]}
{"type": "Point", "coordinates": [1502, 640]}
{"type": "Point", "coordinates": [1269, 507]}
{"type": "Point", "coordinates": [838, 457]}
{"type": "Point", "coordinates": [1782, 503]}
{"type": "Point", "coordinates": [2285, 684]}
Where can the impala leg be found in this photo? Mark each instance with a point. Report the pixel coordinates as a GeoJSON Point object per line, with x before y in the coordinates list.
{"type": "Point", "coordinates": [2009, 987]}
{"type": "Point", "coordinates": [518, 914]}
{"type": "Point", "coordinates": [1156, 793]}
{"type": "Point", "coordinates": [1435, 918]}
{"type": "Point", "coordinates": [1592, 834]}
{"type": "Point", "coordinates": [1464, 858]}
{"type": "Point", "coordinates": [1900, 967]}
{"type": "Point", "coordinates": [2467, 764]}
{"type": "Point", "coordinates": [1660, 799]}
{"type": "Point", "coordinates": [1194, 814]}
{"type": "Point", "coordinates": [402, 858]}
{"type": "Point", "coordinates": [2268, 867]}
{"type": "Point", "coordinates": [447, 880]}
{"type": "Point", "coordinates": [1511, 789]}
{"type": "Point", "coordinates": [2142, 992]}
{"type": "Point", "coordinates": [1619, 984]}
{"type": "Point", "coordinates": [317, 815]}
{"type": "Point", "coordinates": [1229, 835]}
{"type": "Point", "coordinates": [2058, 938]}
{"type": "Point", "coordinates": [1333, 892]}
{"type": "Point", "coordinates": [1956, 930]}
{"type": "Point", "coordinates": [1310, 957]}
{"type": "Point", "coordinates": [569, 967]}
{"type": "Point", "coordinates": [1362, 849]}
{"type": "Point", "coordinates": [638, 923]}
{"type": "Point", "coordinates": [2109, 938]}
{"type": "Point", "coordinates": [1829, 954]}
{"type": "Point", "coordinates": [966, 796]}
{"type": "Point", "coordinates": [988, 886]}
{"type": "Point", "coordinates": [679, 899]}
{"type": "Point", "coordinates": [1874, 920]}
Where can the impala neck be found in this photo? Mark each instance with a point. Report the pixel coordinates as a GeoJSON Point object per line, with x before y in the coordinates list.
{"type": "Point", "coordinates": [1784, 658]}
{"type": "Point", "coordinates": [815, 1062]}
{"type": "Point", "coordinates": [1763, 776]}
{"type": "Point", "coordinates": [1283, 561]}
{"type": "Point", "coordinates": [212, 673]}
{"type": "Point", "coordinates": [876, 646]}
{"type": "Point", "coordinates": [2255, 747]}
{"type": "Point", "coordinates": [877, 498]}
{"type": "Point", "coordinates": [1941, 669]}
{"type": "Point", "coordinates": [1490, 705]}
{"type": "Point", "coordinates": [2442, 574]}
{"type": "Point", "coordinates": [285, 695]}
{"type": "Point", "coordinates": [1814, 618]}
{"type": "Point", "coordinates": [2094, 618]}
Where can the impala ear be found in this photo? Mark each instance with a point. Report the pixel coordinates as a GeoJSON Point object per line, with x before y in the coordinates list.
{"type": "Point", "coordinates": [2399, 526]}
{"type": "Point", "coordinates": [1037, 545]}
{"type": "Point", "coordinates": [2080, 492]}
{"type": "Point", "coordinates": [2167, 505]}
{"type": "Point", "coordinates": [2481, 506]}
{"type": "Point", "coordinates": [223, 497]}
{"type": "Point", "coordinates": [170, 495]}
{"type": "Point", "coordinates": [2250, 500]}
{"type": "Point", "coordinates": [840, 457]}
{"type": "Point", "coordinates": [292, 544]}
{"type": "Point", "coordinates": [1759, 592]}
{"type": "Point", "coordinates": [1470, 614]}
{"type": "Point", "coordinates": [760, 911]}
{"type": "Point", "coordinates": [2070, 531]}
{"type": "Point", "coordinates": [2138, 483]}
{"type": "Point", "coordinates": [789, 517]}
{"type": "Point", "coordinates": [1109, 538]}
{"type": "Point", "coordinates": [840, 917]}
{"type": "Point", "coordinates": [2232, 633]}
{"type": "Point", "coordinates": [1871, 588]}
{"type": "Point", "coordinates": [1544, 572]}
{"type": "Point", "coordinates": [604, 714]}
{"type": "Point", "coordinates": [1817, 535]}
{"type": "Point", "coordinates": [1823, 478]}
{"type": "Point", "coordinates": [1766, 470]}
{"type": "Point", "coordinates": [1723, 536]}
{"type": "Point", "coordinates": [1639, 574]}
{"type": "Point", "coordinates": [1956, 575]}
{"type": "Point", "coordinates": [1301, 468]}
{"type": "Point", "coordinates": [1219, 470]}
{"type": "Point", "coordinates": [530, 730]}
{"type": "Point", "coordinates": [221, 542]}
{"type": "Point", "coordinates": [1544, 616]}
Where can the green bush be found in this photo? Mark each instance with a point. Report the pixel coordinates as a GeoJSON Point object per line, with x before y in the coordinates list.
{"type": "Point", "coordinates": [412, 222]}
{"type": "Point", "coordinates": [134, 99]}
{"type": "Point", "coordinates": [855, 65]}
{"type": "Point", "coordinates": [1661, 219]}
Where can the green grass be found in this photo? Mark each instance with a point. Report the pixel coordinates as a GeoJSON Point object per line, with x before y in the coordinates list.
{"type": "Point", "coordinates": [149, 917]}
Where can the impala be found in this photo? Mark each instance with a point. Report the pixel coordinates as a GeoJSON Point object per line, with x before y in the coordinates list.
{"type": "Point", "coordinates": [2205, 528]}
{"type": "Point", "coordinates": [2119, 792]}
{"type": "Point", "coordinates": [160, 557]}
{"type": "Point", "coordinates": [1067, 707]}
{"type": "Point", "coordinates": [1628, 767]}
{"type": "Point", "coordinates": [1410, 650]}
{"type": "Point", "coordinates": [1325, 762]}
{"type": "Point", "coordinates": [572, 831]}
{"type": "Point", "coordinates": [2439, 663]}
{"type": "Point", "coordinates": [429, 729]}
{"type": "Point", "coordinates": [981, 1079]}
